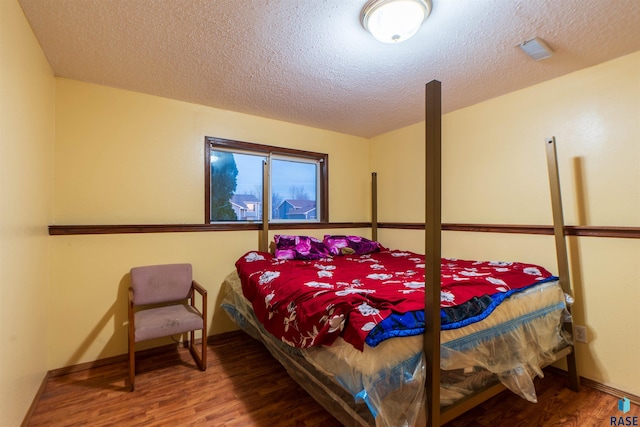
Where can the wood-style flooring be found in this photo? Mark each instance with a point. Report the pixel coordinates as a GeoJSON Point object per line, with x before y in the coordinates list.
{"type": "Point", "coordinates": [244, 386]}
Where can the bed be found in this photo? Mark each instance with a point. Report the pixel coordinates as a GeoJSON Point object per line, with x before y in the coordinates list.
{"type": "Point", "coordinates": [430, 375]}
{"type": "Point", "coordinates": [384, 369]}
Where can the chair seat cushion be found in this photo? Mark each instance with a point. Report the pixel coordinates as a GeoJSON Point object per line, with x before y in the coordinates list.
{"type": "Point", "coordinates": [167, 320]}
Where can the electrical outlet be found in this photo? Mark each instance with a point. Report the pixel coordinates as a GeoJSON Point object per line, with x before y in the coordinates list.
{"type": "Point", "coordinates": [580, 333]}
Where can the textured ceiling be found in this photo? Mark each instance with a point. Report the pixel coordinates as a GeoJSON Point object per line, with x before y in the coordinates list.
{"type": "Point", "coordinates": [311, 62]}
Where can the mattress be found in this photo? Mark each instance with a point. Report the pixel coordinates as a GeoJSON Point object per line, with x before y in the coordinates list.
{"type": "Point", "coordinates": [510, 345]}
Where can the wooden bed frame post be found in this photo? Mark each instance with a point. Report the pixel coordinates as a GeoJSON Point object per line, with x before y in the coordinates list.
{"type": "Point", "coordinates": [561, 249]}
{"type": "Point", "coordinates": [374, 206]}
{"type": "Point", "coordinates": [264, 235]}
{"type": "Point", "coordinates": [433, 227]}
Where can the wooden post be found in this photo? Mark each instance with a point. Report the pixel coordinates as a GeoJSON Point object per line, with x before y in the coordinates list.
{"type": "Point", "coordinates": [374, 206]}
{"type": "Point", "coordinates": [433, 227]}
{"type": "Point", "coordinates": [561, 248]}
{"type": "Point", "coordinates": [264, 235]}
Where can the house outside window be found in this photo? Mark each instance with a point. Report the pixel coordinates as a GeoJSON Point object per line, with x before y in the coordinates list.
{"type": "Point", "coordinates": [247, 207]}
{"type": "Point", "coordinates": [296, 209]}
{"type": "Point", "coordinates": [297, 181]}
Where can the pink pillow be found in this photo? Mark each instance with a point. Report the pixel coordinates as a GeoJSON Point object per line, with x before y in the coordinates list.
{"type": "Point", "coordinates": [342, 245]}
{"type": "Point", "coordinates": [299, 247]}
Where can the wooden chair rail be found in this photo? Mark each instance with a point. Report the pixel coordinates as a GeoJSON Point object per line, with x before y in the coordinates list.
{"type": "Point", "coordinates": [570, 230]}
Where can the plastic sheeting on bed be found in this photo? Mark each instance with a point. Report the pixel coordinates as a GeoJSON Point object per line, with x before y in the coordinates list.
{"type": "Point", "coordinates": [511, 345]}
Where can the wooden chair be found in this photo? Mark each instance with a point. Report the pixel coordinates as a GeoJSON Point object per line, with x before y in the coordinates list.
{"type": "Point", "coordinates": [162, 303]}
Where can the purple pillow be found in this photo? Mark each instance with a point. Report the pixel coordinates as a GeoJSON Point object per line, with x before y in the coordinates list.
{"type": "Point", "coordinates": [299, 247]}
{"type": "Point", "coordinates": [343, 245]}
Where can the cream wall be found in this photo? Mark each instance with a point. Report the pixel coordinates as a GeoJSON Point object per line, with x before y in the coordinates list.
{"type": "Point", "coordinates": [129, 158]}
{"type": "Point", "coordinates": [27, 91]}
{"type": "Point", "coordinates": [494, 171]}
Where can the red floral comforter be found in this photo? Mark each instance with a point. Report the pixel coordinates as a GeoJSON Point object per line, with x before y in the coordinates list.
{"type": "Point", "coordinates": [308, 303]}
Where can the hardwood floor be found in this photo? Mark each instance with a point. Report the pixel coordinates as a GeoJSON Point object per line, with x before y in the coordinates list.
{"type": "Point", "coordinates": [557, 406]}
{"type": "Point", "coordinates": [244, 386]}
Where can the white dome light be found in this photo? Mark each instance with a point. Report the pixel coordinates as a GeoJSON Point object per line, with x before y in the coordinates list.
{"type": "Point", "coordinates": [393, 21]}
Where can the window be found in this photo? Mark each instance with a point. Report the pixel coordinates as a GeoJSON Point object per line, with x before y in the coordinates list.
{"type": "Point", "coordinates": [298, 183]}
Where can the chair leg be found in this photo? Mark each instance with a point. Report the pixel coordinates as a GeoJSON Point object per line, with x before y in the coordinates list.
{"type": "Point", "coordinates": [132, 364]}
{"type": "Point", "coordinates": [132, 370]}
{"type": "Point", "coordinates": [204, 352]}
{"type": "Point", "coordinates": [200, 359]}
{"type": "Point", "coordinates": [131, 340]}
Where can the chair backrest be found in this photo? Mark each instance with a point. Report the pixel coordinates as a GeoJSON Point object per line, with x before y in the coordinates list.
{"type": "Point", "coordinates": [154, 284]}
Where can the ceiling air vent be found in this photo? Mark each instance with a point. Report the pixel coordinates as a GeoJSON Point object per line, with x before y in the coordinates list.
{"type": "Point", "coordinates": [536, 49]}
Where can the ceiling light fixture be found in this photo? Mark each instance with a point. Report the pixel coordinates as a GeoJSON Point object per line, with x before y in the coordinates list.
{"type": "Point", "coordinates": [536, 48]}
{"type": "Point", "coordinates": [393, 21]}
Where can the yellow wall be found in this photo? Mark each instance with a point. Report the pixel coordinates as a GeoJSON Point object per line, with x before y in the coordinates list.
{"type": "Point", "coordinates": [494, 171]}
{"type": "Point", "coordinates": [27, 89]}
{"type": "Point", "coordinates": [123, 158]}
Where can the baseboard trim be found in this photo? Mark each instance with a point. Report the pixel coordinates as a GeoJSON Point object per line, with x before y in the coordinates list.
{"type": "Point", "coordinates": [27, 418]}
{"type": "Point", "coordinates": [89, 365]}
{"type": "Point", "coordinates": [125, 357]}
{"type": "Point", "coordinates": [600, 387]}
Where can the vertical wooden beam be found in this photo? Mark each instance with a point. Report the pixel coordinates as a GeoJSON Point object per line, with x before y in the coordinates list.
{"type": "Point", "coordinates": [561, 248]}
{"type": "Point", "coordinates": [374, 206]}
{"type": "Point", "coordinates": [207, 182]}
{"type": "Point", "coordinates": [264, 234]}
{"type": "Point", "coordinates": [433, 227]}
